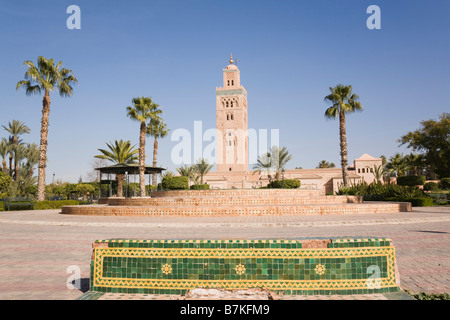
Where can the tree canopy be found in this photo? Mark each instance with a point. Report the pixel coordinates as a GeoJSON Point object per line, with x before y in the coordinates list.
{"type": "Point", "coordinates": [432, 139]}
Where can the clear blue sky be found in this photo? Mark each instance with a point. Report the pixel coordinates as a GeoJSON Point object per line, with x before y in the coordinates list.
{"type": "Point", "coordinates": [290, 53]}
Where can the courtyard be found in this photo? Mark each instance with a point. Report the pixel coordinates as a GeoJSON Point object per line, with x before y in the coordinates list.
{"type": "Point", "coordinates": [42, 248]}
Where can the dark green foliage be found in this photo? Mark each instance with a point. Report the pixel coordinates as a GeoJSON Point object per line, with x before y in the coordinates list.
{"type": "Point", "coordinates": [58, 204]}
{"type": "Point", "coordinates": [43, 205]}
{"type": "Point", "coordinates": [432, 296]}
{"type": "Point", "coordinates": [175, 183]}
{"type": "Point", "coordinates": [200, 187]}
{"type": "Point", "coordinates": [383, 192]}
{"type": "Point", "coordinates": [444, 183]}
{"type": "Point", "coordinates": [286, 184]}
{"type": "Point", "coordinates": [430, 186]}
{"type": "Point", "coordinates": [421, 202]}
{"type": "Point", "coordinates": [432, 141]}
{"type": "Point", "coordinates": [411, 180]}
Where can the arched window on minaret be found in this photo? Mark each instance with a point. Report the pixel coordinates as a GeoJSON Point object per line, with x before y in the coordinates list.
{"type": "Point", "coordinates": [231, 104]}
{"type": "Point", "coordinates": [228, 82]}
{"type": "Point", "coordinates": [232, 118]}
{"type": "Point", "coordinates": [226, 103]}
{"type": "Point", "coordinates": [232, 82]}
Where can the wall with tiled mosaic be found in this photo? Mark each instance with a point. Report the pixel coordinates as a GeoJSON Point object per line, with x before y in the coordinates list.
{"type": "Point", "coordinates": [314, 266]}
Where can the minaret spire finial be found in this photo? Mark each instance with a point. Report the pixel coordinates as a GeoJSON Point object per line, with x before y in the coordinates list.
{"type": "Point", "coordinates": [231, 58]}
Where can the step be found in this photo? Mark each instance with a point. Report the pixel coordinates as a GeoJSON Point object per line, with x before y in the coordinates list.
{"type": "Point", "coordinates": [310, 209]}
{"type": "Point", "coordinates": [230, 200]}
{"type": "Point", "coordinates": [236, 192]}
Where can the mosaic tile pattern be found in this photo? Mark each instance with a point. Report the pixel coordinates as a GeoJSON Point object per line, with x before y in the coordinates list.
{"type": "Point", "coordinates": [345, 266]}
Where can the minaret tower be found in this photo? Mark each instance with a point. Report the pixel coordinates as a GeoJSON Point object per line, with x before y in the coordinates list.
{"type": "Point", "coordinates": [232, 125]}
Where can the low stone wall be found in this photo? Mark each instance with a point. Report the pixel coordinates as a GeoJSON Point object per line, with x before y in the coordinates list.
{"type": "Point", "coordinates": [230, 200]}
{"type": "Point", "coordinates": [290, 267]}
{"type": "Point", "coordinates": [235, 210]}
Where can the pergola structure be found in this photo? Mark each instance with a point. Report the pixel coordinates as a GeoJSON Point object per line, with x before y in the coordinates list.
{"type": "Point", "coordinates": [127, 170]}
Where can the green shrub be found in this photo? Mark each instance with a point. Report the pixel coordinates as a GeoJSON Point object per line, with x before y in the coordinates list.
{"type": "Point", "coordinates": [200, 187]}
{"type": "Point", "coordinates": [175, 183]}
{"type": "Point", "coordinates": [432, 296]}
{"type": "Point", "coordinates": [444, 183]}
{"type": "Point", "coordinates": [411, 180]}
{"type": "Point", "coordinates": [430, 186]}
{"type": "Point", "coordinates": [421, 202]}
{"type": "Point", "coordinates": [5, 181]}
{"type": "Point", "coordinates": [57, 204]}
{"type": "Point", "coordinates": [286, 184]}
{"type": "Point", "coordinates": [378, 191]}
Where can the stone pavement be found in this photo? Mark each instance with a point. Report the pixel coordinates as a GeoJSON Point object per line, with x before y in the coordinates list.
{"type": "Point", "coordinates": [40, 251]}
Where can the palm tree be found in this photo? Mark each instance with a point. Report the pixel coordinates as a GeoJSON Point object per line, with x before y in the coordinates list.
{"type": "Point", "coordinates": [46, 76]}
{"type": "Point", "coordinates": [202, 167]}
{"type": "Point", "coordinates": [121, 152]}
{"type": "Point", "coordinates": [325, 164]}
{"type": "Point", "coordinates": [4, 150]}
{"type": "Point", "coordinates": [157, 129]}
{"type": "Point", "coordinates": [264, 163]}
{"type": "Point", "coordinates": [276, 160]}
{"type": "Point", "coordinates": [343, 101]}
{"type": "Point", "coordinates": [415, 163]}
{"type": "Point", "coordinates": [378, 172]}
{"type": "Point", "coordinates": [15, 128]}
{"type": "Point", "coordinates": [397, 165]}
{"type": "Point", "coordinates": [32, 157]}
{"type": "Point", "coordinates": [280, 157]}
{"type": "Point", "coordinates": [187, 171]}
{"type": "Point", "coordinates": [143, 110]}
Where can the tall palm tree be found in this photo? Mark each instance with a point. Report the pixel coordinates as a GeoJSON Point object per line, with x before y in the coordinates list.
{"type": "Point", "coordinates": [121, 152]}
{"type": "Point", "coordinates": [157, 129]}
{"type": "Point", "coordinates": [4, 151]}
{"type": "Point", "coordinates": [47, 77]}
{"type": "Point", "coordinates": [325, 164]}
{"type": "Point", "coordinates": [202, 167]}
{"type": "Point", "coordinates": [343, 101]}
{"type": "Point", "coordinates": [143, 109]}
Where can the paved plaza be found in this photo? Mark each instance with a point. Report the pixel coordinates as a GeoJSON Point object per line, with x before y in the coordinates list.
{"type": "Point", "coordinates": [40, 250]}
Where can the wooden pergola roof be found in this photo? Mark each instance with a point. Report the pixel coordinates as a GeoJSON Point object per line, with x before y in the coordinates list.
{"type": "Point", "coordinates": [123, 168]}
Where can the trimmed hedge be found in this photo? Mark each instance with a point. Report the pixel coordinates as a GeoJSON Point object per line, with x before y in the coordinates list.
{"type": "Point", "coordinates": [56, 204]}
{"type": "Point", "coordinates": [430, 186]}
{"type": "Point", "coordinates": [421, 202]}
{"type": "Point", "coordinates": [175, 183]}
{"type": "Point", "coordinates": [200, 187]}
{"type": "Point", "coordinates": [444, 183]}
{"type": "Point", "coordinates": [286, 184]}
{"type": "Point", "coordinates": [415, 202]}
{"type": "Point", "coordinates": [411, 180]}
{"type": "Point", "coordinates": [43, 205]}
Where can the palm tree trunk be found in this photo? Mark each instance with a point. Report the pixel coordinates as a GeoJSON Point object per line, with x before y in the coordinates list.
{"type": "Point", "coordinates": [155, 154]}
{"type": "Point", "coordinates": [142, 159]}
{"type": "Point", "coordinates": [10, 165]}
{"type": "Point", "coordinates": [119, 179]}
{"type": "Point", "coordinates": [43, 147]}
{"type": "Point", "coordinates": [343, 145]}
